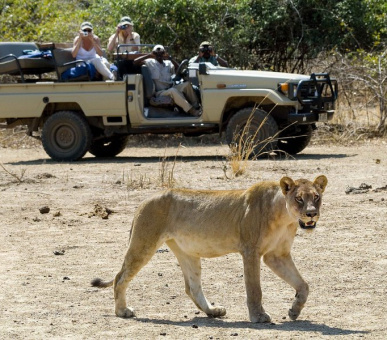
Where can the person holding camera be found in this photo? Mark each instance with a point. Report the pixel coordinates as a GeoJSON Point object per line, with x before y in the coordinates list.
{"type": "Point", "coordinates": [162, 68]}
{"type": "Point", "coordinates": [87, 47]}
{"type": "Point", "coordinates": [207, 54]}
{"type": "Point", "coordinates": [124, 35]}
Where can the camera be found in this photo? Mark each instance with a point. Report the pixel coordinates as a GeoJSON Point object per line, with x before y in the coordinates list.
{"type": "Point", "coordinates": [123, 27]}
{"type": "Point", "coordinates": [85, 33]}
{"type": "Point", "coordinates": [206, 49]}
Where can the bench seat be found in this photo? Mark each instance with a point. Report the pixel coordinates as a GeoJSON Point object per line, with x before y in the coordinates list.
{"type": "Point", "coordinates": [11, 63]}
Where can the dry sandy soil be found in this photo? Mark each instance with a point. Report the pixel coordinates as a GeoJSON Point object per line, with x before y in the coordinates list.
{"type": "Point", "coordinates": [47, 259]}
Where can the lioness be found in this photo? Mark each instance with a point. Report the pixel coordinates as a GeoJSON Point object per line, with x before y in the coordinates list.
{"type": "Point", "coordinates": [258, 222]}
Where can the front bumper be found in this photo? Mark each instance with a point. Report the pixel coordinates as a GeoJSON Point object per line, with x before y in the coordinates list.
{"type": "Point", "coordinates": [310, 117]}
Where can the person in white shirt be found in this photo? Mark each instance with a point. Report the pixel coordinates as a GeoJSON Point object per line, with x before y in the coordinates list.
{"type": "Point", "coordinates": [161, 71]}
{"type": "Point", "coordinates": [87, 47]}
{"type": "Point", "coordinates": [124, 35]}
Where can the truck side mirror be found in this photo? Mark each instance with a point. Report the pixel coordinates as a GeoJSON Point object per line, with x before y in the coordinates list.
{"type": "Point", "coordinates": [202, 68]}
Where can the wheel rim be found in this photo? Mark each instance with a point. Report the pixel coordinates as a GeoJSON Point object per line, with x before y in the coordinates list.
{"type": "Point", "coordinates": [64, 137]}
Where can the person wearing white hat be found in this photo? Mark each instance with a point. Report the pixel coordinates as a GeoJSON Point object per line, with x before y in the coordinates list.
{"type": "Point", "coordinates": [162, 70]}
{"type": "Point", "coordinates": [87, 47]}
{"type": "Point", "coordinates": [124, 35]}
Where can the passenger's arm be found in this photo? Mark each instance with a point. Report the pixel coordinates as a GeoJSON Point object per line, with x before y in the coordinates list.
{"type": "Point", "coordinates": [221, 61]}
{"type": "Point", "coordinates": [140, 60]}
{"type": "Point", "coordinates": [76, 46]}
{"type": "Point", "coordinates": [97, 45]}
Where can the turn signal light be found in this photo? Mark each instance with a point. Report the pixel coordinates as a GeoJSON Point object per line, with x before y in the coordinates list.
{"type": "Point", "coordinates": [284, 87]}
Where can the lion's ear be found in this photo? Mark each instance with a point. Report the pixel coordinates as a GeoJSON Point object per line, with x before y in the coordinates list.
{"type": "Point", "coordinates": [286, 184]}
{"type": "Point", "coordinates": [321, 182]}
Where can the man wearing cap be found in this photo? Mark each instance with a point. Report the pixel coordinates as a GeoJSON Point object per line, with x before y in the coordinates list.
{"type": "Point", "coordinates": [207, 54]}
{"type": "Point", "coordinates": [124, 35]}
{"type": "Point", "coordinates": [161, 71]}
{"type": "Point", "coordinates": [87, 47]}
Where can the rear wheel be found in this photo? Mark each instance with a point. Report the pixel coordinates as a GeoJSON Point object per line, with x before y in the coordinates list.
{"type": "Point", "coordinates": [252, 132]}
{"type": "Point", "coordinates": [293, 142]}
{"type": "Point", "coordinates": [108, 147]}
{"type": "Point", "coordinates": [66, 136]}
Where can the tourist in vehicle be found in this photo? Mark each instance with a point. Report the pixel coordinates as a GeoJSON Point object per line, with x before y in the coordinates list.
{"type": "Point", "coordinates": [207, 54]}
{"type": "Point", "coordinates": [124, 35]}
{"type": "Point", "coordinates": [162, 69]}
{"type": "Point", "coordinates": [87, 47]}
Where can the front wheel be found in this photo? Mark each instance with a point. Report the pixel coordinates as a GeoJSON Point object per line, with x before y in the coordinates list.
{"type": "Point", "coordinates": [108, 147]}
{"type": "Point", "coordinates": [295, 141]}
{"type": "Point", "coordinates": [251, 132]}
{"type": "Point", "coordinates": [66, 136]}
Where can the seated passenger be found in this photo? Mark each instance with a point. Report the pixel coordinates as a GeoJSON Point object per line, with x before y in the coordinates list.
{"type": "Point", "coordinates": [207, 54]}
{"type": "Point", "coordinates": [124, 35]}
{"type": "Point", "coordinates": [161, 71]}
{"type": "Point", "coordinates": [87, 47]}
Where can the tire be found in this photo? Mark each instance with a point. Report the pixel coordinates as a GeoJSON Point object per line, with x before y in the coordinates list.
{"type": "Point", "coordinates": [66, 136]}
{"type": "Point", "coordinates": [295, 141]}
{"type": "Point", "coordinates": [261, 133]}
{"type": "Point", "coordinates": [108, 147]}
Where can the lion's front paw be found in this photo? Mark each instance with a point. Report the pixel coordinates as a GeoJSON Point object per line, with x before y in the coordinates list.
{"type": "Point", "coordinates": [217, 312]}
{"type": "Point", "coordinates": [293, 315]}
{"type": "Point", "coordinates": [126, 313]}
{"type": "Point", "coordinates": [261, 318]}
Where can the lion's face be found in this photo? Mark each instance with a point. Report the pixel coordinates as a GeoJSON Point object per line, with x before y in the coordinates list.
{"type": "Point", "coordinates": [303, 199]}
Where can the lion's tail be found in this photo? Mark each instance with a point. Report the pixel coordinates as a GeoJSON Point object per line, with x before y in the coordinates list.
{"type": "Point", "coordinates": [97, 282]}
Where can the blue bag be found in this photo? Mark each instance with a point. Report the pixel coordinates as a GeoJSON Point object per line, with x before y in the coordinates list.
{"type": "Point", "coordinates": [36, 54]}
{"type": "Point", "coordinates": [81, 70]}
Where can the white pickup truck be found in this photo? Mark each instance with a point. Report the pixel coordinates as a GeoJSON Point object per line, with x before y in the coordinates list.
{"type": "Point", "coordinates": [75, 117]}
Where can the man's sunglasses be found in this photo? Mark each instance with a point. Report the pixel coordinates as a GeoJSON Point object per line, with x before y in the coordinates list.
{"type": "Point", "coordinates": [87, 30]}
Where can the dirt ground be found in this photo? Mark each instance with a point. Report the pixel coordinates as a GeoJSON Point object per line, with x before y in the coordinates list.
{"type": "Point", "coordinates": [66, 223]}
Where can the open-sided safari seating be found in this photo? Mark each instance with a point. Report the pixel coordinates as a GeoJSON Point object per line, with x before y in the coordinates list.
{"type": "Point", "coordinates": [69, 69]}
{"type": "Point", "coordinates": [17, 58]}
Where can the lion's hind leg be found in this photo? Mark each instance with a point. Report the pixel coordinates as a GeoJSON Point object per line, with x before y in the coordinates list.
{"type": "Point", "coordinates": [191, 269]}
{"type": "Point", "coordinates": [285, 268]}
{"type": "Point", "coordinates": [136, 257]}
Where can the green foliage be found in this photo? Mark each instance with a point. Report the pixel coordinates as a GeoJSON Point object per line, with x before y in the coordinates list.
{"type": "Point", "coordinates": [270, 34]}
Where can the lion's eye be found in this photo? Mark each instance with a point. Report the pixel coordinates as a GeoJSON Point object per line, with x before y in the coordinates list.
{"type": "Point", "coordinates": [299, 199]}
{"type": "Point", "coordinates": [316, 197]}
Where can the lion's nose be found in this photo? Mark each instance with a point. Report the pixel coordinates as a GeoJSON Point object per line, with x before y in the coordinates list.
{"type": "Point", "coordinates": [311, 214]}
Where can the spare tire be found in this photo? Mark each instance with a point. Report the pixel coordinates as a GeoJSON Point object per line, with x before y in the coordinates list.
{"type": "Point", "coordinates": [108, 147]}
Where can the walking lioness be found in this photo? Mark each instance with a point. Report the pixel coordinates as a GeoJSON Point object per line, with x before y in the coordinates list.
{"type": "Point", "coordinates": [258, 222]}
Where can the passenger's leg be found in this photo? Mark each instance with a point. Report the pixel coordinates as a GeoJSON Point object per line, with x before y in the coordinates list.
{"type": "Point", "coordinates": [177, 97]}
{"type": "Point", "coordinates": [189, 92]}
{"type": "Point", "coordinates": [102, 69]}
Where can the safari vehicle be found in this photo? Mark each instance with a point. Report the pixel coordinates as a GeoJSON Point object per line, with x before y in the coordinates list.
{"type": "Point", "coordinates": [80, 115]}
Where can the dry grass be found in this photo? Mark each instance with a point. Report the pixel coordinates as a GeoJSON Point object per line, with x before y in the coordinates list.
{"type": "Point", "coordinates": [245, 147]}
{"type": "Point", "coordinates": [17, 177]}
{"type": "Point", "coordinates": [166, 173]}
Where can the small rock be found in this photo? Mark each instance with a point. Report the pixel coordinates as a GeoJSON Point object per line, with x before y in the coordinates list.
{"type": "Point", "coordinates": [66, 278]}
{"type": "Point", "coordinates": [44, 210]}
{"type": "Point", "coordinates": [195, 326]}
{"type": "Point", "coordinates": [59, 252]}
